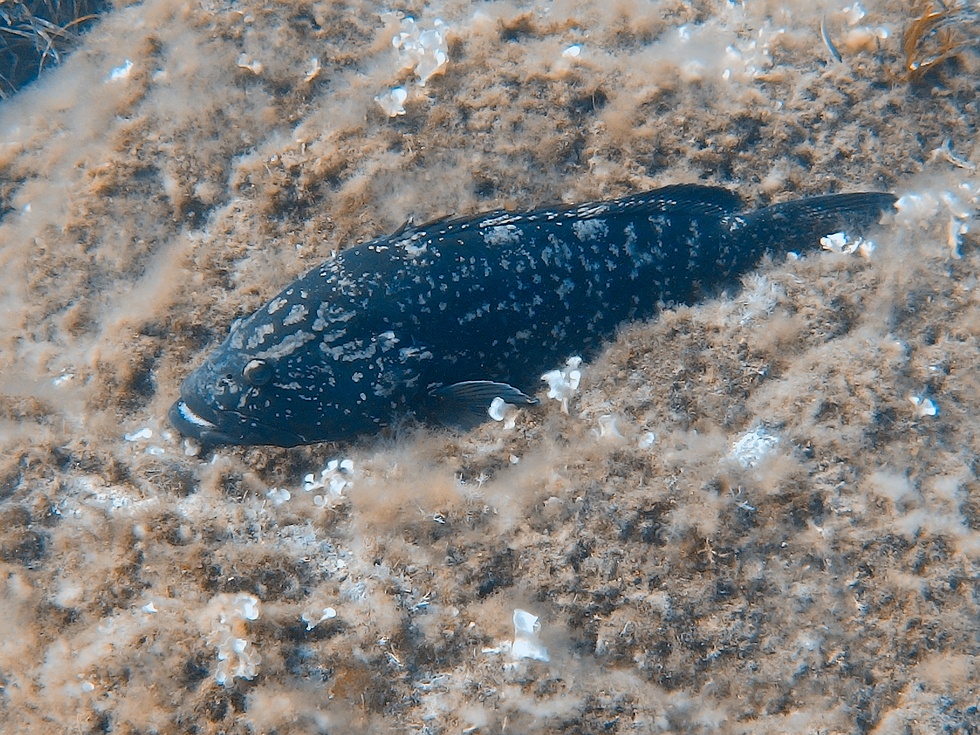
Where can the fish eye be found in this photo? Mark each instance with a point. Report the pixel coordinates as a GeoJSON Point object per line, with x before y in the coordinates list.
{"type": "Point", "coordinates": [257, 372]}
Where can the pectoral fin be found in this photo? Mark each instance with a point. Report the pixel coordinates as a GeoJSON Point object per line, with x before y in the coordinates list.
{"type": "Point", "coordinates": [466, 404]}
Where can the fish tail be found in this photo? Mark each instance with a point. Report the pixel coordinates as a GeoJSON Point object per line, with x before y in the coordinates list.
{"type": "Point", "coordinates": [799, 224]}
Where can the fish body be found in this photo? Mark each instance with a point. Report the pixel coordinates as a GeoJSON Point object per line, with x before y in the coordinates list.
{"type": "Point", "coordinates": [437, 320]}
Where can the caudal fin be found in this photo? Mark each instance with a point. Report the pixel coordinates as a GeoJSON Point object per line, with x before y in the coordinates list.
{"type": "Point", "coordinates": [799, 224]}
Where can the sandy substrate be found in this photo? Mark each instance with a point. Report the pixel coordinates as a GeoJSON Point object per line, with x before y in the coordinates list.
{"type": "Point", "coordinates": [190, 160]}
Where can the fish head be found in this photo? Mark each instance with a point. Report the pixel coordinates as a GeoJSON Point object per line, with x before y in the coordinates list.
{"type": "Point", "coordinates": [267, 383]}
{"type": "Point", "coordinates": [297, 371]}
{"type": "Point", "coordinates": [226, 401]}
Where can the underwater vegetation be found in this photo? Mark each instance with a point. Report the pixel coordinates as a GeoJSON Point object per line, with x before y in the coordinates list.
{"type": "Point", "coordinates": [37, 33]}
{"type": "Point", "coordinates": [940, 31]}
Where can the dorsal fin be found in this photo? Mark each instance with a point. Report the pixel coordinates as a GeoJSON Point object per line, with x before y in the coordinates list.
{"type": "Point", "coordinates": [408, 224]}
{"type": "Point", "coordinates": [689, 199]}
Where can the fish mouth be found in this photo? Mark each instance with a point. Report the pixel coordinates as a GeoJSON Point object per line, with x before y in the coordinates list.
{"type": "Point", "coordinates": [192, 424]}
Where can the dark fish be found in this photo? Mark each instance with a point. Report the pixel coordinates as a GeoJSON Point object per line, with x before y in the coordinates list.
{"type": "Point", "coordinates": [438, 320]}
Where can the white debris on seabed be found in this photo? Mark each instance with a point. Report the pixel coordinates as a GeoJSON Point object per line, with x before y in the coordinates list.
{"type": "Point", "coordinates": [916, 210]}
{"type": "Point", "coordinates": [313, 619]}
{"type": "Point", "coordinates": [608, 428]}
{"type": "Point", "coordinates": [840, 242]}
{"type": "Point", "coordinates": [858, 36]}
{"type": "Point", "coordinates": [314, 71]}
{"type": "Point", "coordinates": [563, 383]}
{"type": "Point", "coordinates": [751, 448]}
{"type": "Point", "coordinates": [526, 643]}
{"type": "Point", "coordinates": [62, 379]}
{"type": "Point", "coordinates": [924, 406]}
{"type": "Point", "coordinates": [245, 62]}
{"type": "Point", "coordinates": [226, 620]}
{"type": "Point", "coordinates": [647, 440]}
{"type": "Point", "coordinates": [500, 410]}
{"type": "Point", "coordinates": [111, 497]}
{"type": "Point", "coordinates": [142, 435]}
{"type": "Point", "coordinates": [422, 49]}
{"type": "Point", "coordinates": [120, 72]}
{"type": "Point", "coordinates": [945, 152]}
{"type": "Point", "coordinates": [336, 477]}
{"type": "Point", "coordinates": [759, 298]}
{"type": "Point", "coordinates": [746, 58]}
{"type": "Point", "coordinates": [393, 101]}
{"type": "Point", "coordinates": [278, 495]}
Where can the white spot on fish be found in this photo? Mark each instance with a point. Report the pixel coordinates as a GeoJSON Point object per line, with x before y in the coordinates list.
{"type": "Point", "coordinates": [352, 351]}
{"type": "Point", "coordinates": [590, 229]}
{"type": "Point", "coordinates": [276, 304]}
{"type": "Point", "coordinates": [588, 210]}
{"type": "Point", "coordinates": [415, 250]}
{"type": "Point", "coordinates": [501, 219]}
{"type": "Point", "coordinates": [295, 315]}
{"type": "Point", "coordinates": [502, 235]}
{"type": "Point", "coordinates": [258, 336]}
{"type": "Point", "coordinates": [328, 314]}
{"type": "Point", "coordinates": [387, 340]}
{"type": "Point", "coordinates": [287, 346]}
{"type": "Point", "coordinates": [408, 353]}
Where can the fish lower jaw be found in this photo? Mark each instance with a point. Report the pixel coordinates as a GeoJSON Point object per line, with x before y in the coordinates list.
{"type": "Point", "coordinates": [191, 424]}
{"type": "Point", "coordinates": [192, 418]}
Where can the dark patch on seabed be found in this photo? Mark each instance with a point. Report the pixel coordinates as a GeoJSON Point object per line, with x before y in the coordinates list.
{"type": "Point", "coordinates": [40, 34]}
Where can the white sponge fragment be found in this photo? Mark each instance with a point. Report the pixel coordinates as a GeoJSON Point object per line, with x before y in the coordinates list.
{"type": "Point", "coordinates": [647, 440]}
{"type": "Point", "coordinates": [393, 101]}
{"type": "Point", "coordinates": [278, 495]}
{"type": "Point", "coordinates": [227, 616]}
{"type": "Point", "coordinates": [924, 407]}
{"type": "Point", "coordinates": [917, 209]}
{"type": "Point", "coordinates": [120, 72]}
{"type": "Point", "coordinates": [313, 619]}
{"type": "Point", "coordinates": [314, 71]}
{"type": "Point", "coordinates": [500, 410]}
{"type": "Point", "coordinates": [840, 242]}
{"type": "Point", "coordinates": [425, 51]}
{"type": "Point", "coordinates": [253, 65]}
{"type": "Point", "coordinates": [526, 643]}
{"type": "Point", "coordinates": [563, 383]}
{"type": "Point", "coordinates": [608, 428]}
{"type": "Point", "coordinates": [750, 449]}
{"type": "Point", "coordinates": [336, 477]}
